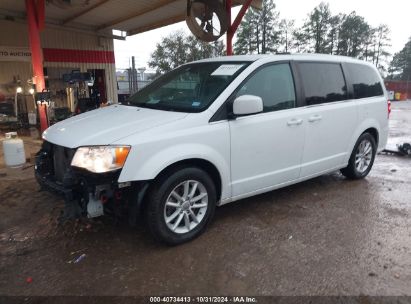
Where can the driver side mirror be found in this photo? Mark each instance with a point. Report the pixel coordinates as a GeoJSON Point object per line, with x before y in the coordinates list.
{"type": "Point", "coordinates": [247, 104]}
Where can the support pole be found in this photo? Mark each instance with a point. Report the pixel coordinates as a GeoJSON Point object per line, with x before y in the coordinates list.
{"type": "Point", "coordinates": [134, 76]}
{"type": "Point", "coordinates": [230, 34]}
{"type": "Point", "coordinates": [35, 21]}
{"type": "Point", "coordinates": [233, 27]}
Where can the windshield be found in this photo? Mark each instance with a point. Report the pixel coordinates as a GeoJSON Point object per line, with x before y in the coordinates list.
{"type": "Point", "coordinates": [189, 88]}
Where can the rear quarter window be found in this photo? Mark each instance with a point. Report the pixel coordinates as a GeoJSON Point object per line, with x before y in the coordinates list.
{"type": "Point", "coordinates": [365, 81]}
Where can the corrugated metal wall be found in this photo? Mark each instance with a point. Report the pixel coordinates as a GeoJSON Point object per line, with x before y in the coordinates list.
{"type": "Point", "coordinates": [56, 38]}
{"type": "Point", "coordinates": [15, 34]}
{"type": "Point", "coordinates": [18, 70]}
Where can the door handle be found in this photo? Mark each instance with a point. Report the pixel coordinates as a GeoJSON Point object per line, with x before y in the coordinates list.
{"type": "Point", "coordinates": [315, 118]}
{"type": "Point", "coordinates": [294, 122]}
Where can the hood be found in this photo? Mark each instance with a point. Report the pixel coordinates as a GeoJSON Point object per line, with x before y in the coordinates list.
{"type": "Point", "coordinates": [107, 125]}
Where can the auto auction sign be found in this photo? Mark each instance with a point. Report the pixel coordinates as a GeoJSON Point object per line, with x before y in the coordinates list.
{"type": "Point", "coordinates": [15, 53]}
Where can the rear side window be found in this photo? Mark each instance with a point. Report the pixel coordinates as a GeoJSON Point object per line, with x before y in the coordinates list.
{"type": "Point", "coordinates": [365, 81]}
{"type": "Point", "coordinates": [323, 82]}
{"type": "Point", "coordinates": [274, 84]}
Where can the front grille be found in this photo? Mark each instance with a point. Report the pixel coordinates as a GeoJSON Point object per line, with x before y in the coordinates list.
{"type": "Point", "coordinates": [61, 159]}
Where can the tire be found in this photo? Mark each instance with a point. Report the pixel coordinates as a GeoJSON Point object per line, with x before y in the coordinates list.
{"type": "Point", "coordinates": [354, 170]}
{"type": "Point", "coordinates": [171, 188]}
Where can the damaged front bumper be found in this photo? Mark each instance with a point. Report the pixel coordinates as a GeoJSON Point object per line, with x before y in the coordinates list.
{"type": "Point", "coordinates": [85, 193]}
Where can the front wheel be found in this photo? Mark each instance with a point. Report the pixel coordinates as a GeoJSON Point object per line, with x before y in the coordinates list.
{"type": "Point", "coordinates": [180, 205]}
{"type": "Point", "coordinates": [362, 157]}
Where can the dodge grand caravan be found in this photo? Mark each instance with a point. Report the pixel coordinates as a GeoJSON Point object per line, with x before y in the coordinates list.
{"type": "Point", "coordinates": [213, 132]}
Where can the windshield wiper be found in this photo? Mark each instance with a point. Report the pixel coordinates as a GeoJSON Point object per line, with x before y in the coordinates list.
{"type": "Point", "coordinates": [157, 106]}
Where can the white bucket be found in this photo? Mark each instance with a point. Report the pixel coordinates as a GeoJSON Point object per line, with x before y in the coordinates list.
{"type": "Point", "coordinates": [13, 148]}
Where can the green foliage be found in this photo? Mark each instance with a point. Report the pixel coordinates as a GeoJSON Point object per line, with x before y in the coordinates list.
{"type": "Point", "coordinates": [334, 34]}
{"type": "Point", "coordinates": [322, 32]}
{"type": "Point", "coordinates": [245, 43]}
{"type": "Point", "coordinates": [179, 48]}
{"type": "Point", "coordinates": [381, 42]}
{"type": "Point", "coordinates": [259, 31]}
{"type": "Point", "coordinates": [197, 49]}
{"type": "Point", "coordinates": [286, 32]}
{"type": "Point", "coordinates": [316, 29]}
{"type": "Point", "coordinates": [348, 35]}
{"type": "Point", "coordinates": [353, 32]}
{"type": "Point", "coordinates": [400, 67]}
{"type": "Point", "coordinates": [262, 31]}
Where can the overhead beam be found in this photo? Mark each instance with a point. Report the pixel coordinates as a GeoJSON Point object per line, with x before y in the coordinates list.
{"type": "Point", "coordinates": [87, 10]}
{"type": "Point", "coordinates": [55, 25]}
{"type": "Point", "coordinates": [134, 15]}
{"type": "Point", "coordinates": [156, 25]}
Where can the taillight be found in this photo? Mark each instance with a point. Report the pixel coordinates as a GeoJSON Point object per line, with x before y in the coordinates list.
{"type": "Point", "coordinates": [389, 107]}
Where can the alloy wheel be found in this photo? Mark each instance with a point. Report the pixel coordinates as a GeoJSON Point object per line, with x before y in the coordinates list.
{"type": "Point", "coordinates": [186, 206]}
{"type": "Point", "coordinates": [363, 156]}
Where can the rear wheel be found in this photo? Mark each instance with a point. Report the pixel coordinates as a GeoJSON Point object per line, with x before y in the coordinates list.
{"type": "Point", "coordinates": [180, 205]}
{"type": "Point", "coordinates": [362, 157]}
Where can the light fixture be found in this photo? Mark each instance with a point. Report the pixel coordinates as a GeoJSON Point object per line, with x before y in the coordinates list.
{"type": "Point", "coordinates": [31, 91]}
{"type": "Point", "coordinates": [19, 89]}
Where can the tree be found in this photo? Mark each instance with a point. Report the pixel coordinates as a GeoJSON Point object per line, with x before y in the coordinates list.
{"type": "Point", "coordinates": [286, 34]}
{"type": "Point", "coordinates": [382, 41]}
{"type": "Point", "coordinates": [333, 36]}
{"type": "Point", "coordinates": [169, 53]}
{"type": "Point", "coordinates": [400, 67]}
{"type": "Point", "coordinates": [197, 49]}
{"type": "Point", "coordinates": [353, 32]}
{"type": "Point", "coordinates": [268, 20]}
{"type": "Point", "coordinates": [245, 43]}
{"type": "Point", "coordinates": [179, 48]}
{"type": "Point", "coordinates": [300, 43]}
{"type": "Point", "coordinates": [258, 32]}
{"type": "Point", "coordinates": [316, 29]}
{"type": "Point", "coordinates": [369, 45]}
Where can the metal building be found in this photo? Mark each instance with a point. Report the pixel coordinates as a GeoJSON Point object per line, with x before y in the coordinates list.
{"type": "Point", "coordinates": [64, 52]}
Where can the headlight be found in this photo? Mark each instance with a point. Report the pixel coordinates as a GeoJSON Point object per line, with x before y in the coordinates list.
{"type": "Point", "coordinates": [99, 159]}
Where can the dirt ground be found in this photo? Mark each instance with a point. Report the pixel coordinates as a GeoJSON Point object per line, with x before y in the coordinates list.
{"type": "Point", "coordinates": [326, 236]}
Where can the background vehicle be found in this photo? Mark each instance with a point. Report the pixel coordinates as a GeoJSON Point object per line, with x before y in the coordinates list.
{"type": "Point", "coordinates": [217, 131]}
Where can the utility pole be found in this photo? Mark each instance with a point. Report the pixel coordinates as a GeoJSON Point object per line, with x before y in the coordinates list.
{"type": "Point", "coordinates": [133, 77]}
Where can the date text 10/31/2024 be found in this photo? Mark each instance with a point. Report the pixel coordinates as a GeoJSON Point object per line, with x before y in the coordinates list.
{"type": "Point", "coordinates": [200, 299]}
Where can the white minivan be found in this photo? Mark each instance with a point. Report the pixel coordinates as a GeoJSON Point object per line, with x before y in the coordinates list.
{"type": "Point", "coordinates": [213, 132]}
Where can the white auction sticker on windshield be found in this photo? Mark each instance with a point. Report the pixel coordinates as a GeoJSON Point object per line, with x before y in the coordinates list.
{"type": "Point", "coordinates": [226, 70]}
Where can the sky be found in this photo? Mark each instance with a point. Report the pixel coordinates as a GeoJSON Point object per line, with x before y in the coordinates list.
{"type": "Point", "coordinates": [395, 13]}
